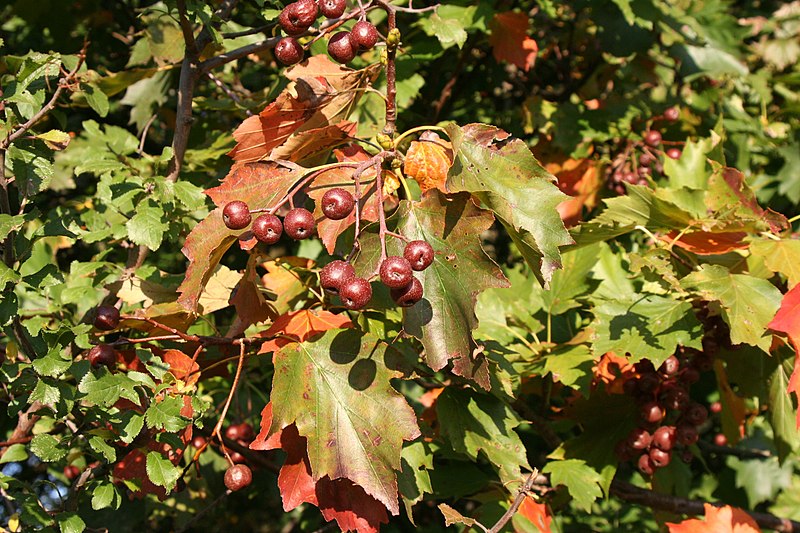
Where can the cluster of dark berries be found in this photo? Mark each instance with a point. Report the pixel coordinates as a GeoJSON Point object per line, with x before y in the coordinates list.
{"type": "Point", "coordinates": [106, 318]}
{"type": "Point", "coordinates": [669, 420]}
{"type": "Point", "coordinates": [299, 16]}
{"type": "Point", "coordinates": [242, 434]}
{"type": "Point", "coordinates": [636, 170]}
{"type": "Point", "coordinates": [298, 223]}
{"type": "Point", "coordinates": [396, 272]}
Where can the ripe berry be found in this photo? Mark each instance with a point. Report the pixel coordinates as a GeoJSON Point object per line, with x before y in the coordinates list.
{"type": "Point", "coordinates": [341, 47]}
{"type": "Point", "coordinates": [243, 431]}
{"type": "Point", "coordinates": [670, 366]}
{"type": "Point", "coordinates": [643, 366]}
{"type": "Point", "coordinates": [674, 153]}
{"type": "Point", "coordinates": [646, 159]}
{"type": "Point", "coordinates": [672, 114]}
{"type": "Point", "coordinates": [332, 9]}
{"type": "Point", "coordinates": [664, 438]}
{"type": "Point", "coordinates": [647, 383]}
{"type": "Point", "coordinates": [645, 465]}
{"type": "Point", "coordinates": [715, 407]}
{"type": "Point", "coordinates": [238, 458]}
{"type": "Point", "coordinates": [236, 215]}
{"type": "Point", "coordinates": [696, 414]}
{"type": "Point", "coordinates": [364, 35]}
{"type": "Point", "coordinates": [334, 274]}
{"type": "Point", "coordinates": [355, 293]}
{"type": "Point", "coordinates": [408, 295]}
{"type": "Point", "coordinates": [676, 398]}
{"type": "Point", "coordinates": [102, 354]}
{"type": "Point", "coordinates": [299, 223]}
{"type": "Point", "coordinates": [267, 229]}
{"type": "Point", "coordinates": [198, 442]}
{"type": "Point", "coordinates": [238, 477]}
{"type": "Point", "coordinates": [659, 458]}
{"type": "Point", "coordinates": [106, 317]}
{"type": "Point", "coordinates": [686, 434]}
{"type": "Point", "coordinates": [71, 472]}
{"type": "Point", "coordinates": [419, 254]}
{"type": "Point", "coordinates": [639, 439]}
{"type": "Point", "coordinates": [337, 203]}
{"type": "Point", "coordinates": [298, 16]}
{"type": "Point", "coordinates": [396, 272]}
{"type": "Point", "coordinates": [289, 51]}
{"type": "Point", "coordinates": [720, 439]}
{"type": "Point", "coordinates": [652, 138]}
{"type": "Point", "coordinates": [651, 412]}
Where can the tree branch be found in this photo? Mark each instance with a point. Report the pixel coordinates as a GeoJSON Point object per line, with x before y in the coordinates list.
{"type": "Point", "coordinates": [522, 493]}
{"type": "Point", "coordinates": [25, 424]}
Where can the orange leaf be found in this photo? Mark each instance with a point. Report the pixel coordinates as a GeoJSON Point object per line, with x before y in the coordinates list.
{"type": "Point", "coordinates": [537, 513]}
{"type": "Point", "coordinates": [306, 323]}
{"type": "Point", "coordinates": [614, 371]}
{"type": "Point", "coordinates": [708, 243]}
{"type": "Point", "coordinates": [578, 178]}
{"type": "Point", "coordinates": [428, 161]}
{"type": "Point", "coordinates": [787, 320]}
{"type": "Point", "coordinates": [724, 519]}
{"type": "Point", "coordinates": [510, 41]}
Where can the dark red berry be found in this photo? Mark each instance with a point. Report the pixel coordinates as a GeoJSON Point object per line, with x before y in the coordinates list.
{"type": "Point", "coordinates": [238, 477]}
{"type": "Point", "coordinates": [630, 386]}
{"type": "Point", "coordinates": [289, 51]}
{"type": "Point", "coordinates": [664, 438]}
{"type": "Point", "coordinates": [106, 317]}
{"type": "Point", "coordinates": [243, 431]}
{"type": "Point", "coordinates": [659, 458]}
{"type": "Point", "coordinates": [337, 204]}
{"type": "Point", "coordinates": [267, 228]}
{"type": "Point", "coordinates": [102, 354]}
{"type": "Point", "coordinates": [715, 407]}
{"type": "Point", "coordinates": [395, 272]}
{"type": "Point", "coordinates": [341, 47]}
{"type": "Point", "coordinates": [364, 35]}
{"type": "Point", "coordinates": [686, 434]}
{"type": "Point", "coordinates": [652, 138]}
{"type": "Point", "coordinates": [408, 295]}
{"type": "Point", "coordinates": [645, 465]}
{"type": "Point", "coordinates": [332, 9]}
{"type": "Point", "coordinates": [298, 16]}
{"type": "Point", "coordinates": [630, 177]}
{"type": "Point", "coordinates": [646, 159]}
{"type": "Point", "coordinates": [71, 472]}
{"type": "Point", "coordinates": [676, 398]}
{"type": "Point", "coordinates": [652, 412]}
{"type": "Point", "coordinates": [334, 274]}
{"type": "Point", "coordinates": [696, 414]}
{"type": "Point", "coordinates": [670, 366]}
{"type": "Point", "coordinates": [674, 153]}
{"type": "Point", "coordinates": [236, 215]}
{"type": "Point", "coordinates": [672, 114]}
{"type": "Point", "coordinates": [648, 382]}
{"type": "Point", "coordinates": [639, 439]}
{"type": "Point", "coordinates": [720, 439]}
{"type": "Point", "coordinates": [355, 293]}
{"type": "Point", "coordinates": [299, 223]}
{"type": "Point", "coordinates": [419, 254]}
{"type": "Point", "coordinates": [238, 458]}
{"type": "Point", "coordinates": [199, 441]}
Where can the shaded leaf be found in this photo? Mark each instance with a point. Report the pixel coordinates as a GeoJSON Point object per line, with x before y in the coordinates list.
{"type": "Point", "coordinates": [509, 39]}
{"type": "Point", "coordinates": [581, 481]}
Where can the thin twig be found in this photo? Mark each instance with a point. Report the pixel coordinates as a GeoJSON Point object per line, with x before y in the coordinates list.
{"type": "Point", "coordinates": [522, 493]}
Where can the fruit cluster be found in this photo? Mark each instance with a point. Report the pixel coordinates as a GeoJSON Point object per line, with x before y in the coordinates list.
{"type": "Point", "coordinates": [339, 277]}
{"type": "Point", "coordinates": [669, 420]}
{"type": "Point", "coordinates": [296, 19]}
{"type": "Point", "coordinates": [106, 318]}
{"type": "Point", "coordinates": [628, 168]}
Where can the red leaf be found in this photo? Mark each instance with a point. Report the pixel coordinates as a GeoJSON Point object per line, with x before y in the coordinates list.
{"type": "Point", "coordinates": [787, 320]}
{"type": "Point", "coordinates": [537, 513]}
{"type": "Point", "coordinates": [708, 243]}
{"type": "Point", "coordinates": [510, 41]}
{"type": "Point", "coordinates": [724, 519]}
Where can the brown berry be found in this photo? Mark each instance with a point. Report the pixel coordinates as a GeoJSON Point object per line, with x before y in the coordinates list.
{"type": "Point", "coordinates": [267, 228]}
{"type": "Point", "coordinates": [236, 215]}
{"type": "Point", "coordinates": [341, 47]}
{"type": "Point", "coordinates": [334, 274]}
{"type": "Point", "coordinates": [364, 35]}
{"type": "Point", "coordinates": [106, 317]}
{"type": "Point", "coordinates": [238, 477]}
{"type": "Point", "coordinates": [298, 16]}
{"type": "Point", "coordinates": [299, 223]}
{"type": "Point", "coordinates": [337, 203]}
{"type": "Point", "coordinates": [243, 431]}
{"type": "Point", "coordinates": [289, 51]}
{"type": "Point", "coordinates": [419, 254]}
{"type": "Point", "coordinates": [395, 272]}
{"type": "Point", "coordinates": [332, 9]}
{"type": "Point", "coordinates": [102, 355]}
{"type": "Point", "coordinates": [355, 293]}
{"type": "Point", "coordinates": [652, 412]}
{"type": "Point", "coordinates": [686, 434]}
{"type": "Point", "coordinates": [408, 295]}
{"type": "Point", "coordinates": [639, 439]}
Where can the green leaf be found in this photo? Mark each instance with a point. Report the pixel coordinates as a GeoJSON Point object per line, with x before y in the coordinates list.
{"type": "Point", "coordinates": [55, 139]}
{"type": "Point", "coordinates": [748, 303]}
{"type": "Point", "coordinates": [105, 495]}
{"type": "Point", "coordinates": [32, 166]}
{"type": "Point", "coordinates": [10, 223]}
{"type": "Point", "coordinates": [147, 226]}
{"type": "Point", "coordinates": [780, 256]}
{"type": "Point", "coordinates": [475, 423]}
{"type": "Point", "coordinates": [582, 482]}
{"type": "Point", "coordinates": [572, 366]}
{"type": "Point", "coordinates": [691, 170]}
{"type": "Point", "coordinates": [645, 326]}
{"type": "Point", "coordinates": [782, 409]}
{"type": "Point", "coordinates": [14, 453]}
{"type": "Point", "coordinates": [96, 98]}
{"type": "Point", "coordinates": [449, 31]}
{"type": "Point", "coordinates": [52, 365]}
{"type": "Point", "coordinates": [337, 391]}
{"type": "Point", "coordinates": [161, 471]}
{"type": "Point", "coordinates": [510, 181]}
{"type": "Point", "coordinates": [414, 479]}
{"type": "Point", "coordinates": [166, 414]}
{"type": "Point", "coordinates": [70, 523]}
{"type": "Point", "coordinates": [45, 392]}
{"type": "Point", "coordinates": [99, 445]}
{"type": "Point", "coordinates": [761, 479]}
{"type": "Point", "coordinates": [570, 282]}
{"type": "Point", "coordinates": [47, 448]}
{"type": "Point", "coordinates": [108, 388]}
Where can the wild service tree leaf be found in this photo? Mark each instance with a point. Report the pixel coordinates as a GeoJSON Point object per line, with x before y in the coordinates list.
{"type": "Point", "coordinates": [259, 185]}
{"type": "Point", "coordinates": [509, 180]}
{"type": "Point", "coordinates": [581, 481]}
{"type": "Point", "coordinates": [445, 317]}
{"type": "Point", "coordinates": [780, 256]}
{"type": "Point", "coordinates": [475, 423]}
{"type": "Point", "coordinates": [510, 41]}
{"type": "Point", "coordinates": [718, 519]}
{"type": "Point", "coordinates": [748, 303]}
{"type": "Point", "coordinates": [646, 326]}
{"type": "Point", "coordinates": [337, 391]}
{"type": "Point", "coordinates": [428, 161]}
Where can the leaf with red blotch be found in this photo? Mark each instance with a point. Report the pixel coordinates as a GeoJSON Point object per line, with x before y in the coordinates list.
{"type": "Point", "coordinates": [510, 41]}
{"type": "Point", "coordinates": [259, 185]}
{"type": "Point", "coordinates": [337, 391]}
{"type": "Point", "coordinates": [536, 513]}
{"type": "Point", "coordinates": [707, 242]}
{"type": "Point", "coordinates": [733, 202]}
{"type": "Point", "coordinates": [725, 519]}
{"type": "Point", "coordinates": [307, 117]}
{"type": "Point", "coordinates": [787, 320]}
{"type": "Point", "coordinates": [251, 306]}
{"type": "Point", "coordinates": [339, 499]}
